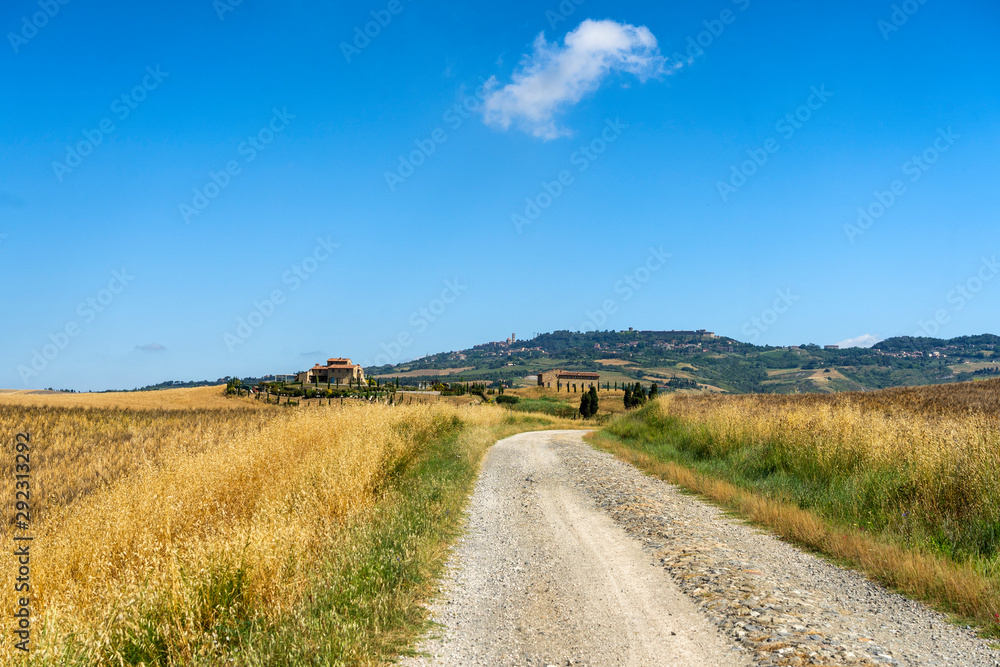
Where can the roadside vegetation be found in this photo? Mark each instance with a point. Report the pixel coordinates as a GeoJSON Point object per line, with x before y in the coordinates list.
{"type": "Point", "coordinates": [547, 405]}
{"type": "Point", "coordinates": [249, 534]}
{"type": "Point", "coordinates": [901, 483]}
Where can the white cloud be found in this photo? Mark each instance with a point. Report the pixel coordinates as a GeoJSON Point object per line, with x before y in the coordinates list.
{"type": "Point", "coordinates": [555, 76]}
{"type": "Point", "coordinates": [867, 340]}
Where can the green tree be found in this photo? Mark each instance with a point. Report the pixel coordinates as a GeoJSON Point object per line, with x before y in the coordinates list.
{"type": "Point", "coordinates": [593, 401]}
{"type": "Point", "coordinates": [638, 395]}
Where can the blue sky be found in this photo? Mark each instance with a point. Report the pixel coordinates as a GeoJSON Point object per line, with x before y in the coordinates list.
{"type": "Point", "coordinates": [197, 189]}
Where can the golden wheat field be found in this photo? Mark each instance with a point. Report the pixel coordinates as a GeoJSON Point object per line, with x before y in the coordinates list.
{"type": "Point", "coordinates": [944, 440]}
{"type": "Point", "coordinates": [166, 399]}
{"type": "Point", "coordinates": [143, 517]}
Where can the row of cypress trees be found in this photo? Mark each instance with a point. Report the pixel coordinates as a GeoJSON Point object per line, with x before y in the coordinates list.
{"type": "Point", "coordinates": [636, 395]}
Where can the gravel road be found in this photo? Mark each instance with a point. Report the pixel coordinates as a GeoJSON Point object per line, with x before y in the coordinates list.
{"type": "Point", "coordinates": [574, 557]}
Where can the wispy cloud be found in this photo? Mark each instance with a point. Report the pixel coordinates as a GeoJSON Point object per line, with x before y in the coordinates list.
{"type": "Point", "coordinates": [554, 77]}
{"type": "Point", "coordinates": [867, 340]}
{"type": "Point", "coordinates": [315, 353]}
{"type": "Point", "coordinates": [150, 347]}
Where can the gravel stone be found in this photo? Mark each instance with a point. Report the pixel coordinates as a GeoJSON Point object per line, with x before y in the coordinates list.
{"type": "Point", "coordinates": [556, 569]}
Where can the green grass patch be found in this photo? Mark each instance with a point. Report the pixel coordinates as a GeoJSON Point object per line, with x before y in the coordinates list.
{"type": "Point", "coordinates": [548, 405]}
{"type": "Point", "coordinates": [366, 604]}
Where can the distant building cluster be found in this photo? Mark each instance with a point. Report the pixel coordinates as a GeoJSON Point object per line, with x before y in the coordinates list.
{"type": "Point", "coordinates": [497, 343]}
{"type": "Point", "coordinates": [697, 332]}
{"type": "Point", "coordinates": [912, 355]}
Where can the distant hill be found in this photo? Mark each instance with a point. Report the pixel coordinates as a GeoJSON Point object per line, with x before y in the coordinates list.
{"type": "Point", "coordinates": [911, 344]}
{"type": "Point", "coordinates": [179, 384]}
{"type": "Point", "coordinates": [713, 363]}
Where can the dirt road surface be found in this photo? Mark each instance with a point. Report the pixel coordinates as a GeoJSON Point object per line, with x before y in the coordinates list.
{"type": "Point", "coordinates": [544, 577]}
{"type": "Point", "coordinates": [572, 557]}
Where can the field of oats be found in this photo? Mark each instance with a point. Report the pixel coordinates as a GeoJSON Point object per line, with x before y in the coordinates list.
{"type": "Point", "coordinates": [235, 533]}
{"type": "Point", "coordinates": [903, 483]}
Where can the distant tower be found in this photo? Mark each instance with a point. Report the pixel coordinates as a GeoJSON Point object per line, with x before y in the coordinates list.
{"type": "Point", "coordinates": [513, 338]}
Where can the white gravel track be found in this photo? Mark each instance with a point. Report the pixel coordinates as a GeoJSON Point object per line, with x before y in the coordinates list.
{"type": "Point", "coordinates": [574, 557]}
{"type": "Point", "coordinates": [543, 577]}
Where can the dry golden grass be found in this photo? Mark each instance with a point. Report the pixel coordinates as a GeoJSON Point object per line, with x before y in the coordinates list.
{"type": "Point", "coordinates": [78, 451]}
{"type": "Point", "coordinates": [614, 362]}
{"type": "Point", "coordinates": [166, 399]}
{"type": "Point", "coordinates": [208, 514]}
{"type": "Point", "coordinates": [960, 399]}
{"type": "Point", "coordinates": [943, 442]}
{"type": "Point", "coordinates": [431, 399]}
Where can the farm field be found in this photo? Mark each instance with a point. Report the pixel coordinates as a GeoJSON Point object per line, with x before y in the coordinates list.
{"type": "Point", "coordinates": [443, 372]}
{"type": "Point", "coordinates": [237, 533]}
{"type": "Point", "coordinates": [565, 404]}
{"type": "Point", "coordinates": [901, 483]}
{"type": "Point", "coordinates": [166, 399]}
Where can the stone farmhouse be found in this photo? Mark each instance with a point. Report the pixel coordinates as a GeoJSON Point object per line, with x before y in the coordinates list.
{"type": "Point", "coordinates": [337, 371]}
{"type": "Point", "coordinates": [570, 379]}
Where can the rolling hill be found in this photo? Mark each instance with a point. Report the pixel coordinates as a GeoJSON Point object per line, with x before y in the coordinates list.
{"type": "Point", "coordinates": [697, 360]}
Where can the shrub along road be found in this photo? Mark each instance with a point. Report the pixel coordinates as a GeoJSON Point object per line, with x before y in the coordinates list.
{"type": "Point", "coordinates": [573, 557]}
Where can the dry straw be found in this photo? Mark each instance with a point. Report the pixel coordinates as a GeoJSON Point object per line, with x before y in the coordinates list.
{"type": "Point", "coordinates": [237, 513]}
